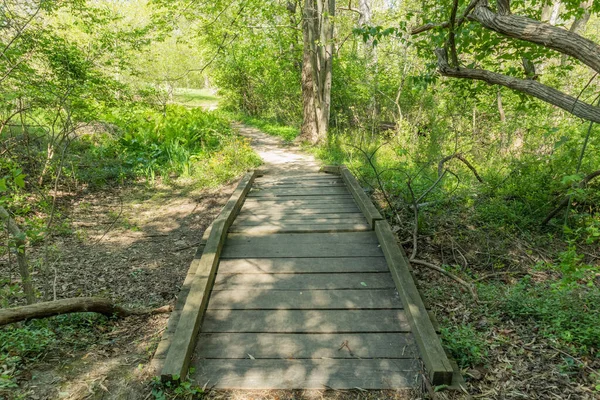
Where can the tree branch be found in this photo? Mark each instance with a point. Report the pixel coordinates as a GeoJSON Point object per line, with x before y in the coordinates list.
{"type": "Point", "coordinates": [546, 35]}
{"type": "Point", "coordinates": [72, 305]}
{"type": "Point", "coordinates": [527, 86]}
{"type": "Point", "coordinates": [462, 158]}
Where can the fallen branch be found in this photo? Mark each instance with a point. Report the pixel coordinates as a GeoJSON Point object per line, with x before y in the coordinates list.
{"type": "Point", "coordinates": [565, 201]}
{"type": "Point", "coordinates": [73, 305]}
{"type": "Point", "coordinates": [450, 275]}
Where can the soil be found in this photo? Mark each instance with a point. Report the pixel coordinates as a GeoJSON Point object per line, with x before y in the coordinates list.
{"type": "Point", "coordinates": [133, 244]}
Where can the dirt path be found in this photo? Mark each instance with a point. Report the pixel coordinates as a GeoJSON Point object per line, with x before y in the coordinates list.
{"type": "Point", "coordinates": [279, 157]}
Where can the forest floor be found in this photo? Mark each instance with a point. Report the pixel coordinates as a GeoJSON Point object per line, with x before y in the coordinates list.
{"type": "Point", "coordinates": [134, 244]}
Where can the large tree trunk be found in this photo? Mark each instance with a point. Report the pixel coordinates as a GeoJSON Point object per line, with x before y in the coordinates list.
{"type": "Point", "coordinates": [20, 243]}
{"type": "Point", "coordinates": [527, 86]}
{"type": "Point", "coordinates": [317, 68]}
{"type": "Point", "coordinates": [552, 37]}
{"type": "Point", "coordinates": [72, 305]}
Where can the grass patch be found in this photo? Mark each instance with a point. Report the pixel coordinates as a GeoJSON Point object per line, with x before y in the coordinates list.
{"type": "Point", "coordinates": [286, 132]}
{"type": "Point", "coordinates": [192, 98]}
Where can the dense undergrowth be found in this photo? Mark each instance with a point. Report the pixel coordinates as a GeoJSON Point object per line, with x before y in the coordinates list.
{"type": "Point", "coordinates": [537, 284]}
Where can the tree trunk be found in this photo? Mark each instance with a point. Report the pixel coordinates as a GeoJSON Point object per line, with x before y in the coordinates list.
{"type": "Point", "coordinates": [500, 107]}
{"type": "Point", "coordinates": [317, 68]}
{"type": "Point", "coordinates": [72, 305]}
{"type": "Point", "coordinates": [20, 242]}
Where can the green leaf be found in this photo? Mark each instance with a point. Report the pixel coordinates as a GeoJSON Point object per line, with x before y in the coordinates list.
{"type": "Point", "coordinates": [3, 187]}
{"type": "Point", "coordinates": [20, 180]}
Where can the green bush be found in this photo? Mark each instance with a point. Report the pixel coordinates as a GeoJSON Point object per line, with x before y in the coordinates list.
{"type": "Point", "coordinates": [466, 345]}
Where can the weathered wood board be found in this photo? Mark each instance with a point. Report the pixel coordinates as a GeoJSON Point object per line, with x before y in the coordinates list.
{"type": "Point", "coordinates": [376, 280]}
{"type": "Point", "coordinates": [302, 265]}
{"type": "Point", "coordinates": [308, 374]}
{"type": "Point", "coordinates": [266, 299]}
{"type": "Point", "coordinates": [302, 346]}
{"type": "Point", "coordinates": [303, 228]}
{"type": "Point", "coordinates": [305, 321]}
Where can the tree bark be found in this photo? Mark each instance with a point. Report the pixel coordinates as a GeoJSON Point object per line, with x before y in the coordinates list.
{"type": "Point", "coordinates": [527, 86]}
{"type": "Point", "coordinates": [72, 305]}
{"type": "Point", "coordinates": [20, 243]}
{"type": "Point", "coordinates": [317, 68]}
{"type": "Point", "coordinates": [546, 35]}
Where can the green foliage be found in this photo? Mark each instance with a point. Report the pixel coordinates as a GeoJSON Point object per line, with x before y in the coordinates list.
{"type": "Point", "coordinates": [181, 142]}
{"type": "Point", "coordinates": [286, 132]}
{"type": "Point", "coordinates": [466, 345]}
{"type": "Point", "coordinates": [176, 389]}
{"type": "Point", "coordinates": [567, 314]}
{"type": "Point", "coordinates": [21, 344]}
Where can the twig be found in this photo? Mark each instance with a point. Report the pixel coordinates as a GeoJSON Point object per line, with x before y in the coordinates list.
{"type": "Point", "coordinates": [450, 275]}
{"type": "Point", "coordinates": [495, 274]}
{"type": "Point", "coordinates": [112, 224]}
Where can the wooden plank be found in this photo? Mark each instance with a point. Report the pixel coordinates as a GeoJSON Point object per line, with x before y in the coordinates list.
{"type": "Point", "coordinates": [301, 239]}
{"type": "Point", "coordinates": [299, 346]}
{"type": "Point", "coordinates": [308, 374]}
{"type": "Point", "coordinates": [304, 197]}
{"type": "Point", "coordinates": [309, 191]}
{"type": "Point", "coordinates": [291, 211]}
{"type": "Point", "coordinates": [184, 339]}
{"type": "Point", "coordinates": [244, 219]}
{"type": "Point", "coordinates": [302, 265]}
{"type": "Point", "coordinates": [436, 362]}
{"type": "Point", "coordinates": [261, 299]}
{"type": "Point", "coordinates": [305, 321]}
{"type": "Point", "coordinates": [300, 185]}
{"type": "Point", "coordinates": [295, 177]}
{"type": "Point", "coordinates": [312, 201]}
{"type": "Point", "coordinates": [300, 250]}
{"type": "Point", "coordinates": [158, 359]}
{"type": "Point", "coordinates": [373, 280]}
{"type": "Point", "coordinates": [364, 203]}
{"type": "Point", "coordinates": [304, 228]}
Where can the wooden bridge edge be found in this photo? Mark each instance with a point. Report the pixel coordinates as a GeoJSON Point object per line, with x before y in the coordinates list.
{"type": "Point", "coordinates": [183, 340]}
{"type": "Point", "coordinates": [158, 359]}
{"type": "Point", "coordinates": [363, 201]}
{"type": "Point", "coordinates": [439, 368]}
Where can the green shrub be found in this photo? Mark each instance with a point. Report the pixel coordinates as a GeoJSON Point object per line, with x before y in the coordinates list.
{"type": "Point", "coordinates": [466, 345]}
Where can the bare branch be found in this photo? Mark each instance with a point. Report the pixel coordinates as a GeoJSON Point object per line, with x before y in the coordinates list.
{"type": "Point", "coordinates": [460, 157]}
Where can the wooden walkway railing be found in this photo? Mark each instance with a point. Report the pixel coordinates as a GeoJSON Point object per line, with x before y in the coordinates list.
{"type": "Point", "coordinates": [301, 285]}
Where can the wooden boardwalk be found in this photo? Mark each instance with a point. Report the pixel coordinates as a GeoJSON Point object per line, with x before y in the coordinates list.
{"type": "Point", "coordinates": [301, 291]}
